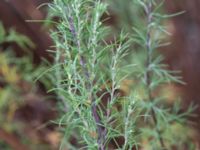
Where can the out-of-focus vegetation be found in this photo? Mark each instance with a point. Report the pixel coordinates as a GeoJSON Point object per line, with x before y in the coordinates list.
{"type": "Point", "coordinates": [13, 72]}
{"type": "Point", "coordinates": [17, 90]}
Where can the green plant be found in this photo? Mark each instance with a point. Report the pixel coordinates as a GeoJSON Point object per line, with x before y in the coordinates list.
{"type": "Point", "coordinates": [149, 36]}
{"type": "Point", "coordinates": [90, 70]}
{"type": "Point", "coordinates": [87, 71]}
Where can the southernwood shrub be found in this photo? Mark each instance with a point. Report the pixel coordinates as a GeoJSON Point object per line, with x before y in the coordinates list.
{"type": "Point", "coordinates": [90, 71]}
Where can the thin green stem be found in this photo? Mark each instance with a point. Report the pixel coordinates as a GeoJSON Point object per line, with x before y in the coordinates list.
{"type": "Point", "coordinates": [148, 75]}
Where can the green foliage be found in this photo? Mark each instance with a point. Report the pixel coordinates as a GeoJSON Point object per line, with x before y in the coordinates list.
{"type": "Point", "coordinates": [89, 72]}
{"type": "Point", "coordinates": [152, 74]}
{"type": "Point", "coordinates": [12, 36]}
{"type": "Point", "coordinates": [16, 76]}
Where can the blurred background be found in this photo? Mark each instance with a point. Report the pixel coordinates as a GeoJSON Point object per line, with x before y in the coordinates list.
{"type": "Point", "coordinates": [26, 110]}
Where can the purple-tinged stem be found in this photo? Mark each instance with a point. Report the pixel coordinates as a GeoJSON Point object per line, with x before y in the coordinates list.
{"type": "Point", "coordinates": [100, 129]}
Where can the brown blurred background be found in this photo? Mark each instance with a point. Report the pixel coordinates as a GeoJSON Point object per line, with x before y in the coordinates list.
{"type": "Point", "coordinates": [18, 13]}
{"type": "Point", "coordinates": [184, 52]}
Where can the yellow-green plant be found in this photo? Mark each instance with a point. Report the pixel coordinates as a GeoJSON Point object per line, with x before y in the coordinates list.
{"type": "Point", "coordinates": [17, 75]}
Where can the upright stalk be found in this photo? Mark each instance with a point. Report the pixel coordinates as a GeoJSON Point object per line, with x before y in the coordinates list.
{"type": "Point", "coordinates": [79, 37]}
{"type": "Point", "coordinates": [99, 130]}
{"type": "Point", "coordinates": [148, 77]}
